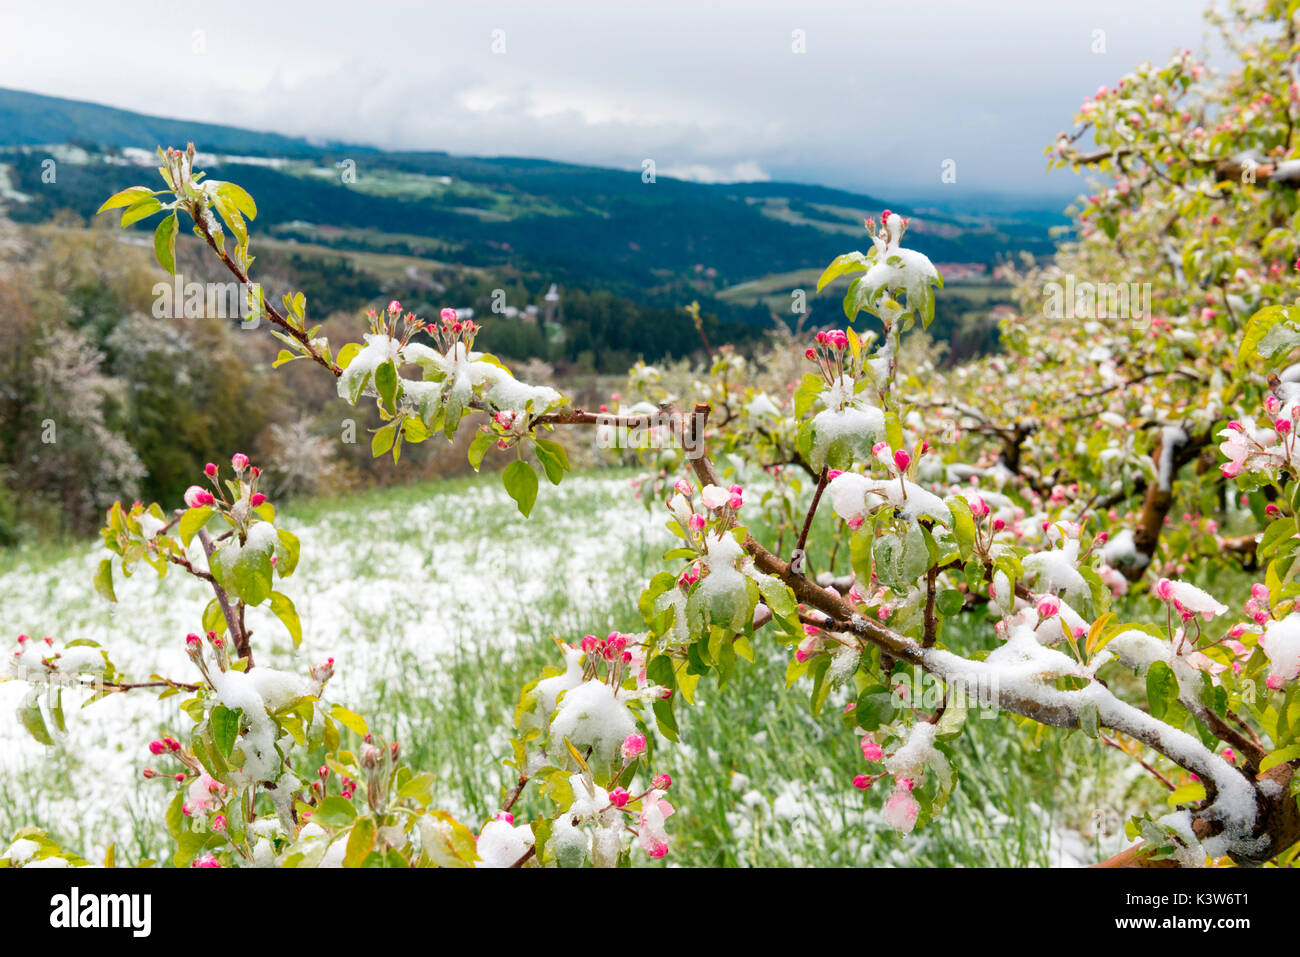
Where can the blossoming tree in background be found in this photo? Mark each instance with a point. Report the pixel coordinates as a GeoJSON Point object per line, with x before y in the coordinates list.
{"type": "Point", "coordinates": [1114, 499]}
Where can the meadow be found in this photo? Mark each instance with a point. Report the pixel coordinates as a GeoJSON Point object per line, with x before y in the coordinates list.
{"type": "Point", "coordinates": [436, 627]}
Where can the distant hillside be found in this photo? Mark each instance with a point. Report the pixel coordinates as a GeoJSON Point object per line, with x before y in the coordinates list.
{"type": "Point", "coordinates": [657, 245]}
{"type": "Point", "coordinates": [29, 119]}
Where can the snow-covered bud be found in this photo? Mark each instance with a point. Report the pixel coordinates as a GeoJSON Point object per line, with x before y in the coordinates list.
{"type": "Point", "coordinates": [196, 497]}
{"type": "Point", "coordinates": [871, 750]}
{"type": "Point", "coordinates": [1048, 606]}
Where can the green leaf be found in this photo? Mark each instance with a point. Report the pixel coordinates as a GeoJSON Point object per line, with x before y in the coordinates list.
{"type": "Point", "coordinates": [418, 789]}
{"type": "Point", "coordinates": [950, 601]}
{"type": "Point", "coordinates": [360, 842]}
{"type": "Point", "coordinates": [225, 728]}
{"type": "Point", "coordinates": [127, 197]}
{"type": "Point", "coordinates": [240, 198]}
{"type": "Point", "coordinates": [1162, 688]}
{"type": "Point", "coordinates": [821, 687]}
{"type": "Point", "coordinates": [478, 448]}
{"type": "Point", "coordinates": [141, 210]}
{"type": "Point", "coordinates": [349, 719]}
{"type": "Point", "coordinates": [243, 570]}
{"type": "Point", "coordinates": [164, 244]}
{"type": "Point", "coordinates": [104, 580]}
{"type": "Point", "coordinates": [383, 440]}
{"type": "Point", "coordinates": [665, 718]}
{"type": "Point", "coordinates": [847, 263]}
{"type": "Point", "coordinates": [192, 521]}
{"type": "Point", "coordinates": [286, 555]}
{"type": "Point", "coordinates": [386, 385]}
{"type": "Point", "coordinates": [1187, 794]}
{"type": "Point", "coordinates": [521, 484]}
{"type": "Point", "coordinates": [875, 707]}
{"type": "Point", "coordinates": [282, 607]}
{"type": "Point", "coordinates": [1280, 756]}
{"type": "Point", "coordinates": [213, 618]}
{"type": "Point", "coordinates": [963, 524]}
{"type": "Point", "coordinates": [29, 713]}
{"type": "Point", "coordinates": [554, 459]}
{"type": "Point", "coordinates": [334, 811]}
{"type": "Point", "coordinates": [1264, 324]}
{"type": "Point", "coordinates": [1090, 719]}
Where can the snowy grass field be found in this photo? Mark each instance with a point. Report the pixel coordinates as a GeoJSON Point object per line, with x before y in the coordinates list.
{"type": "Point", "coordinates": [435, 631]}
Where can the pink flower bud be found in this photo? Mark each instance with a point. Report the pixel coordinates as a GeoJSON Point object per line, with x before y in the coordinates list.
{"type": "Point", "coordinates": [1048, 606]}
{"type": "Point", "coordinates": [219, 822]}
{"type": "Point", "coordinates": [1259, 592]}
{"type": "Point", "coordinates": [661, 782]}
{"type": "Point", "coordinates": [505, 816]}
{"type": "Point", "coordinates": [1283, 426]}
{"type": "Point", "coordinates": [871, 750]}
{"type": "Point", "coordinates": [619, 797]}
{"type": "Point", "coordinates": [861, 782]}
{"type": "Point", "coordinates": [1229, 755]}
{"type": "Point", "coordinates": [1273, 682]}
{"type": "Point", "coordinates": [633, 746]}
{"type": "Point", "coordinates": [196, 497]}
{"type": "Point", "coordinates": [394, 307]}
{"type": "Point", "coordinates": [684, 487]}
{"type": "Point", "coordinates": [696, 522]}
{"type": "Point", "coordinates": [1272, 511]}
{"type": "Point", "coordinates": [447, 315]}
{"type": "Point", "coordinates": [1165, 589]}
{"type": "Point", "coordinates": [240, 461]}
{"type": "Point", "coordinates": [256, 499]}
{"type": "Point", "coordinates": [902, 460]}
{"type": "Point", "coordinates": [207, 860]}
{"type": "Point", "coordinates": [210, 470]}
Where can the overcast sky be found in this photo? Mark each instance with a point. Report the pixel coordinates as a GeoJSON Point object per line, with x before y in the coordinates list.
{"type": "Point", "coordinates": [882, 95]}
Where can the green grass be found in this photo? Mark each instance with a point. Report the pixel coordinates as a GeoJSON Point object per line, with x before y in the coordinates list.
{"type": "Point", "coordinates": [757, 779]}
